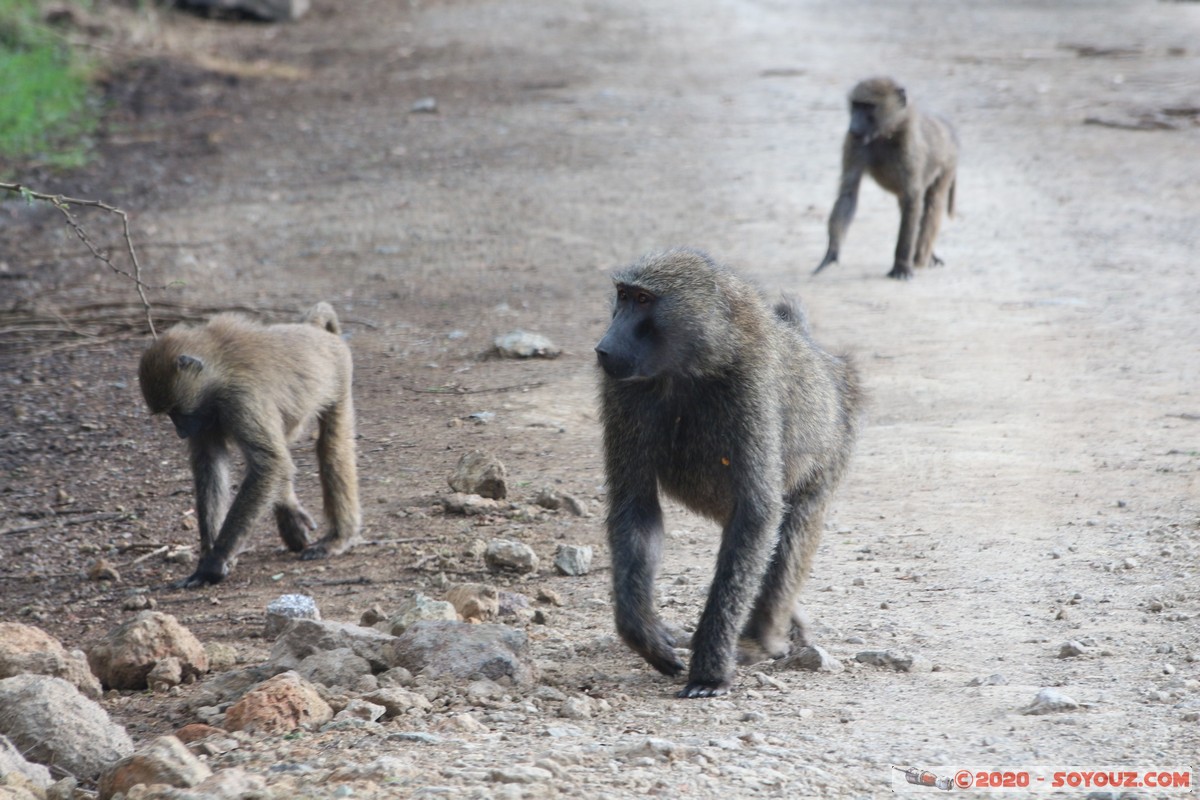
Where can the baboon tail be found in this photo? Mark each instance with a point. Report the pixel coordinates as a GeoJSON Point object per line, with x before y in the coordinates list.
{"type": "Point", "coordinates": [323, 316]}
{"type": "Point", "coordinates": [950, 198]}
{"type": "Point", "coordinates": [791, 313]}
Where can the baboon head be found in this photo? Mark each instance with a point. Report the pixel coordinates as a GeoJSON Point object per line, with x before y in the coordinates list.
{"type": "Point", "coordinates": [670, 317]}
{"type": "Point", "coordinates": [878, 107]}
{"type": "Point", "coordinates": [179, 385]}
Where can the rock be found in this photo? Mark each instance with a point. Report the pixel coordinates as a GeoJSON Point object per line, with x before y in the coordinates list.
{"type": "Point", "coordinates": [373, 615]}
{"type": "Point", "coordinates": [658, 750]}
{"type": "Point", "coordinates": [285, 608]}
{"type": "Point", "coordinates": [340, 667]}
{"type": "Point", "coordinates": [520, 774]}
{"type": "Point", "coordinates": [417, 608]}
{"type": "Point", "coordinates": [164, 760]}
{"type": "Point", "coordinates": [361, 709]}
{"type": "Point", "coordinates": [813, 659]}
{"type": "Point", "coordinates": [521, 344]}
{"type": "Point", "coordinates": [480, 473]}
{"type": "Point", "coordinates": [303, 637]}
{"type": "Point", "coordinates": [464, 652]}
{"type": "Point", "coordinates": [279, 705]}
{"type": "Point", "coordinates": [13, 763]}
{"type": "Point", "coordinates": [50, 722]}
{"type": "Point", "coordinates": [196, 731]}
{"type": "Point", "coordinates": [396, 701]}
{"type": "Point", "coordinates": [229, 784]}
{"type": "Point", "coordinates": [1050, 701]}
{"type": "Point", "coordinates": [126, 656]}
{"type": "Point", "coordinates": [576, 506]}
{"type": "Point", "coordinates": [894, 659]}
{"type": "Point", "coordinates": [1071, 649]}
{"type": "Point", "coordinates": [995, 679]}
{"type": "Point", "coordinates": [265, 10]}
{"type": "Point", "coordinates": [474, 602]}
{"type": "Point", "coordinates": [576, 708]}
{"type": "Point", "coordinates": [547, 595]}
{"type": "Point", "coordinates": [425, 105]}
{"type": "Point", "coordinates": [570, 559]}
{"type": "Point", "coordinates": [503, 555]}
{"type": "Point", "coordinates": [511, 603]}
{"type": "Point", "coordinates": [166, 673]}
{"type": "Point", "coordinates": [223, 689]}
{"type": "Point", "coordinates": [548, 498]}
{"type": "Point", "coordinates": [25, 649]}
{"type": "Point", "coordinates": [102, 570]}
{"type": "Point", "coordinates": [221, 657]}
{"type": "Point", "coordinates": [470, 505]}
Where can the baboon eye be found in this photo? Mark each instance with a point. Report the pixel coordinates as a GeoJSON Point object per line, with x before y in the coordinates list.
{"type": "Point", "coordinates": [642, 298]}
{"type": "Point", "coordinates": [622, 295]}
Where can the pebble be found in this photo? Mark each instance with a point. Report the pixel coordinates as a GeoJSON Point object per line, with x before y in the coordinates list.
{"type": "Point", "coordinates": [1050, 701]}
{"type": "Point", "coordinates": [1071, 649]}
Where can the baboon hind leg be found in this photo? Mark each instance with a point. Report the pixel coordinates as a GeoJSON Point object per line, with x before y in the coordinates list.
{"type": "Point", "coordinates": [936, 201]}
{"type": "Point", "coordinates": [293, 521]}
{"type": "Point", "coordinates": [776, 620]}
{"type": "Point", "coordinates": [339, 481]}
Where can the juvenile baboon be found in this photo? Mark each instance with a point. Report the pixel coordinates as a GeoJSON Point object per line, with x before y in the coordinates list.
{"type": "Point", "coordinates": [910, 154]}
{"type": "Point", "coordinates": [236, 382]}
{"type": "Point", "coordinates": [734, 411]}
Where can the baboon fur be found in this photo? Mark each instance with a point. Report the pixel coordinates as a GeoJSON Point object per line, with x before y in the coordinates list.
{"type": "Point", "coordinates": [716, 400]}
{"type": "Point", "coordinates": [234, 382]}
{"type": "Point", "coordinates": [910, 154]}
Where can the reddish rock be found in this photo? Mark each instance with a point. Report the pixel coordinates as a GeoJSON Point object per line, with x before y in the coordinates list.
{"type": "Point", "coordinates": [25, 649]}
{"type": "Point", "coordinates": [279, 705]}
{"type": "Point", "coordinates": [197, 731]}
{"type": "Point", "coordinates": [132, 650]}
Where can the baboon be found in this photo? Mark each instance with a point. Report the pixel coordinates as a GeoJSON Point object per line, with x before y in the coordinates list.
{"type": "Point", "coordinates": [234, 382]}
{"type": "Point", "coordinates": [734, 411]}
{"type": "Point", "coordinates": [910, 154]}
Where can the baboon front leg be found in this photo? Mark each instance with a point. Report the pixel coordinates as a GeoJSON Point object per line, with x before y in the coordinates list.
{"type": "Point", "coordinates": [339, 481]}
{"type": "Point", "coordinates": [911, 208]}
{"type": "Point", "coordinates": [776, 614]}
{"type": "Point", "coordinates": [843, 210]}
{"type": "Point", "coordinates": [266, 470]}
{"type": "Point", "coordinates": [740, 563]}
{"type": "Point", "coordinates": [635, 538]}
{"type": "Point", "coordinates": [210, 477]}
{"type": "Point", "coordinates": [931, 220]}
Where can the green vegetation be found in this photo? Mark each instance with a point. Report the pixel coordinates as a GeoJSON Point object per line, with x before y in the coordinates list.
{"type": "Point", "coordinates": [45, 113]}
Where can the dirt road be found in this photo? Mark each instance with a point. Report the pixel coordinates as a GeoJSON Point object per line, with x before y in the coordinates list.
{"type": "Point", "coordinates": [1027, 476]}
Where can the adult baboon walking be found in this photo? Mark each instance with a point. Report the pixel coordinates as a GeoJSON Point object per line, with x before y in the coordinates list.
{"type": "Point", "coordinates": [734, 411]}
{"type": "Point", "coordinates": [912, 155]}
{"type": "Point", "coordinates": [233, 382]}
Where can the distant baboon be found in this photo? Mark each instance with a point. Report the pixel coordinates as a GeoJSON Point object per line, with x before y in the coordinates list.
{"type": "Point", "coordinates": [734, 411]}
{"type": "Point", "coordinates": [910, 154]}
{"type": "Point", "coordinates": [236, 382]}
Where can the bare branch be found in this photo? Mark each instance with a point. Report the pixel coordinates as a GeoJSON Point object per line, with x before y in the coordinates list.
{"type": "Point", "coordinates": [63, 204]}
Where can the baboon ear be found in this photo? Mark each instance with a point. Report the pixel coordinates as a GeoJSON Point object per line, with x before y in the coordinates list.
{"type": "Point", "coordinates": [189, 363]}
{"type": "Point", "coordinates": [903, 95]}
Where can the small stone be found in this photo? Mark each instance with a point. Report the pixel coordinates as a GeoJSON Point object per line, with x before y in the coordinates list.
{"type": "Point", "coordinates": [474, 602]}
{"type": "Point", "coordinates": [520, 774]}
{"type": "Point", "coordinates": [995, 679]}
{"type": "Point", "coordinates": [1130, 563]}
{"type": "Point", "coordinates": [1071, 649]}
{"type": "Point", "coordinates": [899, 661]}
{"type": "Point", "coordinates": [372, 615]}
{"type": "Point", "coordinates": [576, 708]}
{"type": "Point", "coordinates": [813, 659]}
{"type": "Point", "coordinates": [480, 473]}
{"type": "Point", "coordinates": [503, 555]}
{"type": "Point", "coordinates": [166, 673]}
{"type": "Point", "coordinates": [361, 709]}
{"type": "Point", "coordinates": [546, 595]}
{"type": "Point", "coordinates": [548, 498]}
{"type": "Point", "coordinates": [102, 570]}
{"type": "Point", "coordinates": [1050, 701]}
{"type": "Point", "coordinates": [572, 559]}
{"type": "Point", "coordinates": [521, 344]}
{"type": "Point", "coordinates": [425, 105]}
{"type": "Point", "coordinates": [286, 608]}
{"type": "Point", "coordinates": [420, 607]}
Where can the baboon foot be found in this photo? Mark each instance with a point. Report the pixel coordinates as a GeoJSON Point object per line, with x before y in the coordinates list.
{"type": "Point", "coordinates": [830, 258]}
{"type": "Point", "coordinates": [657, 646]}
{"type": "Point", "coordinates": [935, 260]}
{"type": "Point", "coordinates": [705, 687]}
{"type": "Point", "coordinates": [751, 651]}
{"type": "Point", "coordinates": [901, 272]}
{"type": "Point", "coordinates": [294, 525]}
{"type": "Point", "coordinates": [211, 570]}
{"type": "Point", "coordinates": [331, 545]}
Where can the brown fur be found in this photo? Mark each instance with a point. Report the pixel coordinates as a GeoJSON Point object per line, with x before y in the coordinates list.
{"type": "Point", "coordinates": [718, 401]}
{"type": "Point", "coordinates": [234, 382]}
{"type": "Point", "coordinates": [910, 154]}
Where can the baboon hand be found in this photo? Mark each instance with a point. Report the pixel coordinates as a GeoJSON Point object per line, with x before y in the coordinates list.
{"type": "Point", "coordinates": [211, 570]}
{"type": "Point", "coordinates": [935, 260]}
{"type": "Point", "coordinates": [901, 272]}
{"type": "Point", "coordinates": [703, 687]}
